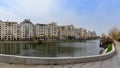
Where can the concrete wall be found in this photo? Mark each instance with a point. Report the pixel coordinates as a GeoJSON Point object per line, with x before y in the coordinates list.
{"type": "Point", "coordinates": [51, 60]}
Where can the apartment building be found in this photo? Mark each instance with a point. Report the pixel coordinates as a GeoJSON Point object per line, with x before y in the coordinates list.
{"type": "Point", "coordinates": [62, 32]}
{"type": "Point", "coordinates": [83, 33]}
{"type": "Point", "coordinates": [93, 34]}
{"type": "Point", "coordinates": [52, 30]}
{"type": "Point", "coordinates": [67, 31]}
{"type": "Point", "coordinates": [77, 32]}
{"type": "Point", "coordinates": [19, 32]}
{"type": "Point", "coordinates": [41, 30]}
{"type": "Point", "coordinates": [27, 30]}
{"type": "Point", "coordinates": [8, 30]}
{"type": "Point", "coordinates": [70, 30]}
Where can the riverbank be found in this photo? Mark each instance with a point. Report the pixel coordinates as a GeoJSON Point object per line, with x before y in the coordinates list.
{"type": "Point", "coordinates": [48, 41]}
{"type": "Point", "coordinates": [51, 54]}
{"type": "Point", "coordinates": [113, 62]}
{"type": "Point", "coordinates": [18, 41]}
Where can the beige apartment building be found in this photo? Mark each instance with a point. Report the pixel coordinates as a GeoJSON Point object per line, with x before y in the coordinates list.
{"type": "Point", "coordinates": [26, 30]}
{"type": "Point", "coordinates": [41, 30]}
{"type": "Point", "coordinates": [62, 32]}
{"type": "Point", "coordinates": [19, 32]}
{"type": "Point", "coordinates": [91, 34]}
{"type": "Point", "coordinates": [66, 31]}
{"type": "Point", "coordinates": [70, 30]}
{"type": "Point", "coordinates": [53, 30]}
{"type": "Point", "coordinates": [77, 32]}
{"type": "Point", "coordinates": [8, 30]}
{"type": "Point", "coordinates": [83, 33]}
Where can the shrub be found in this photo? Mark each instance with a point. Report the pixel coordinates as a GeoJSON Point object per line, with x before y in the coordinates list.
{"type": "Point", "coordinates": [109, 48]}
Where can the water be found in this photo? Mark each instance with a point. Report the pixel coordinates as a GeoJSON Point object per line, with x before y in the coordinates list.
{"type": "Point", "coordinates": [69, 49]}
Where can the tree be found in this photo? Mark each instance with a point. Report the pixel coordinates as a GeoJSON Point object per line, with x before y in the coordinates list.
{"type": "Point", "coordinates": [114, 33]}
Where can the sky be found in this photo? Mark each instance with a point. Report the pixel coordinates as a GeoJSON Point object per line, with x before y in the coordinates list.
{"type": "Point", "coordinates": [94, 15]}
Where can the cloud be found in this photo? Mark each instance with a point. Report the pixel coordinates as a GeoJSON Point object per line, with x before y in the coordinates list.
{"type": "Point", "coordinates": [4, 15]}
{"type": "Point", "coordinates": [36, 10]}
{"type": "Point", "coordinates": [81, 13]}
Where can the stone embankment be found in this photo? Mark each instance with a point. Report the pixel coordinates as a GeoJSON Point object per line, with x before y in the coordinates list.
{"type": "Point", "coordinates": [54, 60]}
{"type": "Point", "coordinates": [113, 62]}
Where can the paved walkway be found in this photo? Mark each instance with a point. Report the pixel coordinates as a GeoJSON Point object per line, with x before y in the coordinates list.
{"type": "Point", "coordinates": [113, 62]}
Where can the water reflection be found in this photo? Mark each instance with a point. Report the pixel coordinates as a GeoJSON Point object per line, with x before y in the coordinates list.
{"type": "Point", "coordinates": [73, 49]}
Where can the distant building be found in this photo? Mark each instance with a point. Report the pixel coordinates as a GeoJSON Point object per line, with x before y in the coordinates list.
{"type": "Point", "coordinates": [52, 30]}
{"type": "Point", "coordinates": [41, 30]}
{"type": "Point", "coordinates": [18, 32]}
{"type": "Point", "coordinates": [83, 33]}
{"type": "Point", "coordinates": [89, 34]}
{"type": "Point", "coordinates": [70, 30]}
{"type": "Point", "coordinates": [8, 30]}
{"type": "Point", "coordinates": [94, 34]}
{"type": "Point", "coordinates": [27, 29]}
{"type": "Point", "coordinates": [66, 31]}
{"type": "Point", "coordinates": [62, 32]}
{"type": "Point", "coordinates": [77, 33]}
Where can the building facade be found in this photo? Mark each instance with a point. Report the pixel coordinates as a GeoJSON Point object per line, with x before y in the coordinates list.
{"type": "Point", "coordinates": [52, 30]}
{"type": "Point", "coordinates": [8, 30]}
{"type": "Point", "coordinates": [41, 31]}
{"type": "Point", "coordinates": [26, 30]}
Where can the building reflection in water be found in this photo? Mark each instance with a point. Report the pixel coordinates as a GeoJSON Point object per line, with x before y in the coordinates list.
{"type": "Point", "coordinates": [50, 50]}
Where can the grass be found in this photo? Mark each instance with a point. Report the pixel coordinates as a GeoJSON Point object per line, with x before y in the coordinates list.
{"type": "Point", "coordinates": [109, 48]}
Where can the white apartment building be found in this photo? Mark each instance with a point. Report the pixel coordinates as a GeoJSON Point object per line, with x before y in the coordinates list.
{"type": "Point", "coordinates": [41, 30]}
{"type": "Point", "coordinates": [27, 29]}
{"type": "Point", "coordinates": [8, 30]}
{"type": "Point", "coordinates": [19, 32]}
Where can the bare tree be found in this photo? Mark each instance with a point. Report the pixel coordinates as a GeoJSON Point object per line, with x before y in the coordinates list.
{"type": "Point", "coordinates": [114, 33]}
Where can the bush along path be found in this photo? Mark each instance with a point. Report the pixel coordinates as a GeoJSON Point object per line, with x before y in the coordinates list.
{"type": "Point", "coordinates": [109, 48]}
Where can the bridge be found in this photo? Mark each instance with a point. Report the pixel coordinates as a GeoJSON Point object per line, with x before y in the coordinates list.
{"type": "Point", "coordinates": [113, 62]}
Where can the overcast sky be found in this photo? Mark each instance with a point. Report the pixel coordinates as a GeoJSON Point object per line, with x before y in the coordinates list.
{"type": "Point", "coordinates": [97, 15]}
